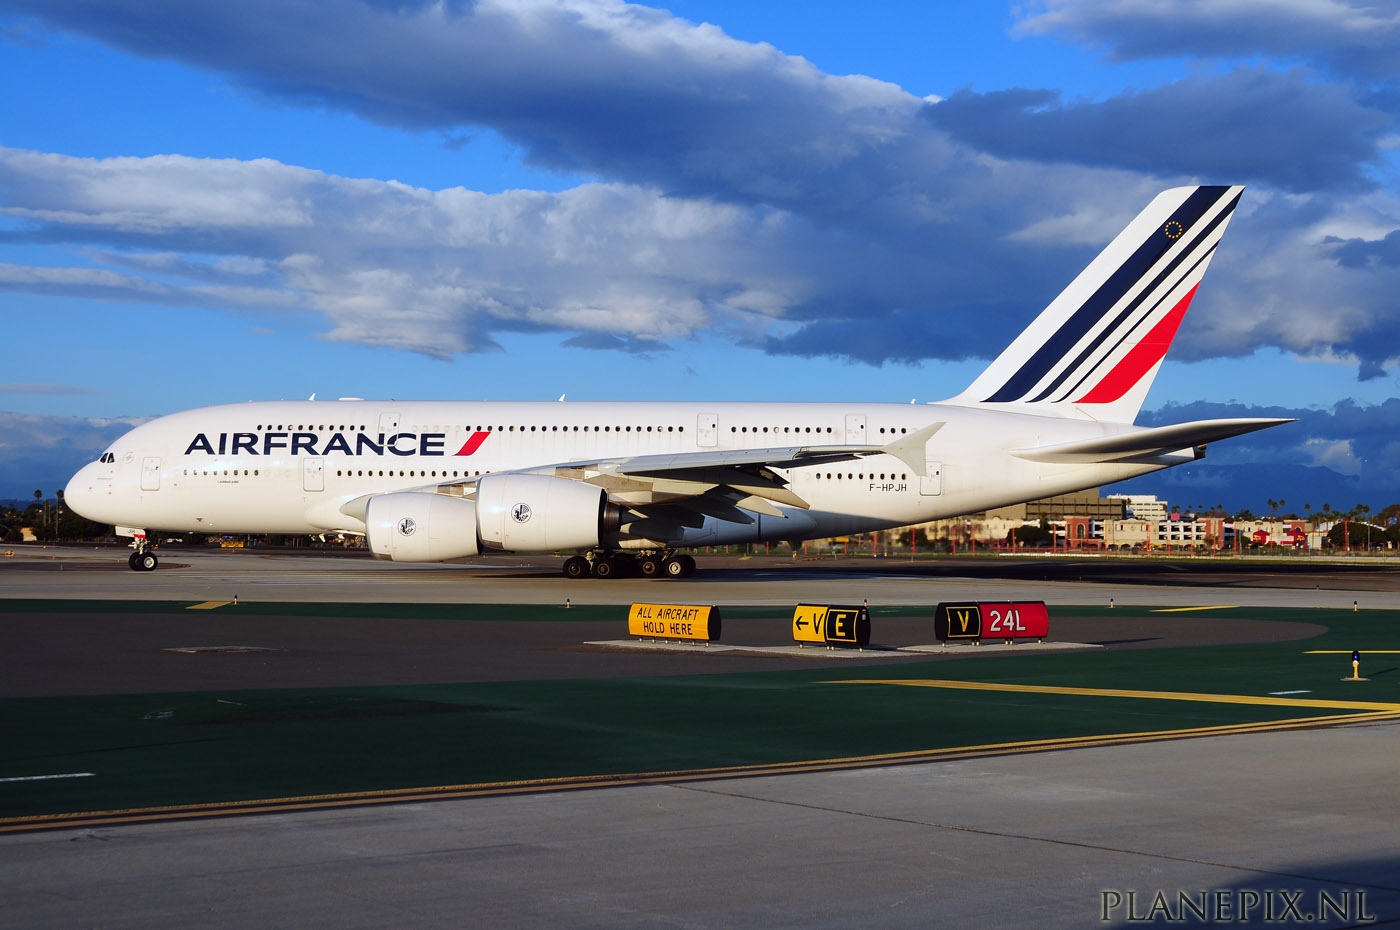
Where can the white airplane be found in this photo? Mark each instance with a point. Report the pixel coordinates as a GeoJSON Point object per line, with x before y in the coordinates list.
{"type": "Point", "coordinates": [628, 485]}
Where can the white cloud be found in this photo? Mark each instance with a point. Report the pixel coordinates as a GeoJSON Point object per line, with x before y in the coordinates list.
{"type": "Point", "coordinates": [743, 189]}
{"type": "Point", "coordinates": [1334, 454]}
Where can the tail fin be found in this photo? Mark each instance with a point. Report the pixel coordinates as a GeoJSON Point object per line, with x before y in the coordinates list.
{"type": "Point", "coordinates": [1093, 352]}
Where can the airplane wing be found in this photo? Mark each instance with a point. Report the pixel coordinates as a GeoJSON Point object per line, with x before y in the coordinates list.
{"type": "Point", "coordinates": [687, 487]}
{"type": "Point", "coordinates": [728, 484]}
{"type": "Point", "coordinates": [909, 449]}
{"type": "Point", "coordinates": [1145, 446]}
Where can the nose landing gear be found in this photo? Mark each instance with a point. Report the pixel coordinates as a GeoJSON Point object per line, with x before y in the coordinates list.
{"type": "Point", "coordinates": [143, 559]}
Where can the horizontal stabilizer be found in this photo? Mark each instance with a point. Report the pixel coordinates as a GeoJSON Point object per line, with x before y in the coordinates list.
{"type": "Point", "coordinates": [1144, 445]}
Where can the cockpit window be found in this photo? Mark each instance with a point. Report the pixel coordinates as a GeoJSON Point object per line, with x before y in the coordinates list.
{"type": "Point", "coordinates": [108, 458]}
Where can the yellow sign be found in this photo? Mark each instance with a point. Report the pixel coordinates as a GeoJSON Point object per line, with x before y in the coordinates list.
{"type": "Point", "coordinates": [809, 624]}
{"type": "Point", "coordinates": [674, 621]}
{"type": "Point", "coordinates": [831, 625]}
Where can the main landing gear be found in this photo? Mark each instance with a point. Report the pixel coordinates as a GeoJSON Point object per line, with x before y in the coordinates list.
{"type": "Point", "coordinates": [603, 564]}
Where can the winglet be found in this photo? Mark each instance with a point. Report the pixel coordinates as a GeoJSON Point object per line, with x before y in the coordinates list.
{"type": "Point", "coordinates": [910, 449]}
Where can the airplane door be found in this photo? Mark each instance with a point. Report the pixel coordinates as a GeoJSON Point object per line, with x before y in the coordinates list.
{"type": "Point", "coordinates": [855, 429]}
{"type": "Point", "coordinates": [150, 473]}
{"type": "Point", "coordinates": [389, 423]}
{"type": "Point", "coordinates": [707, 430]}
{"type": "Point", "coordinates": [931, 482]}
{"type": "Point", "coordinates": [313, 474]}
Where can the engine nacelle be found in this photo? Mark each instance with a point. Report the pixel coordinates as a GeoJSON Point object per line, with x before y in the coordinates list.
{"type": "Point", "coordinates": [416, 526]}
{"type": "Point", "coordinates": [538, 513]}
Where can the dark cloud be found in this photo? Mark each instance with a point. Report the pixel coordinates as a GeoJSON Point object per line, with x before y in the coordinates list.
{"type": "Point", "coordinates": [1351, 37]}
{"type": "Point", "coordinates": [1345, 455]}
{"type": "Point", "coordinates": [45, 451]}
{"type": "Point", "coordinates": [906, 336]}
{"type": "Point", "coordinates": [1284, 130]}
{"type": "Point", "coordinates": [1364, 253]}
{"type": "Point", "coordinates": [610, 342]}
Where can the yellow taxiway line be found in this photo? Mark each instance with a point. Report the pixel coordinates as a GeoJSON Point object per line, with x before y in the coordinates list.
{"type": "Point", "coordinates": [1347, 652]}
{"type": "Point", "coordinates": [208, 605]}
{"type": "Point", "coordinates": [1324, 704]}
{"type": "Point", "coordinates": [1187, 610]}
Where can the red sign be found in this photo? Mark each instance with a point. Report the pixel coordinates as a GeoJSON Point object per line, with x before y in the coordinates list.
{"type": "Point", "coordinates": [1015, 620]}
{"type": "Point", "coordinates": [991, 620]}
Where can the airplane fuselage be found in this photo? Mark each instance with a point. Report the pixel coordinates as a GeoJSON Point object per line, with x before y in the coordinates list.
{"type": "Point", "coordinates": [297, 466]}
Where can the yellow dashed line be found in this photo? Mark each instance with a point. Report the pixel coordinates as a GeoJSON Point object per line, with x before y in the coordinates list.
{"type": "Point", "coordinates": [1118, 693]}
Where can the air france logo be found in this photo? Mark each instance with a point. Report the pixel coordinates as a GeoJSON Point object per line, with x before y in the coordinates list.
{"type": "Point", "coordinates": [520, 513]}
{"type": "Point", "coordinates": [407, 526]}
{"type": "Point", "coordinates": [293, 443]}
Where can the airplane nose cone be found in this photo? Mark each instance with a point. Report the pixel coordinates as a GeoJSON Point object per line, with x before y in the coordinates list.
{"type": "Point", "coordinates": [80, 495]}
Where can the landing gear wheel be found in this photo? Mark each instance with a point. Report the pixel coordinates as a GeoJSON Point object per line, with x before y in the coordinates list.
{"type": "Point", "coordinates": [145, 562]}
{"type": "Point", "coordinates": [575, 566]}
{"type": "Point", "coordinates": [674, 567]}
{"type": "Point", "coordinates": [687, 565]}
{"type": "Point", "coordinates": [604, 568]}
{"type": "Point", "coordinates": [131, 561]}
{"type": "Point", "coordinates": [649, 566]}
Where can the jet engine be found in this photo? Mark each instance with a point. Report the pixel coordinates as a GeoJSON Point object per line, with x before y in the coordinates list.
{"type": "Point", "coordinates": [418, 526]}
{"type": "Point", "coordinates": [511, 513]}
{"type": "Point", "coordinates": [539, 513]}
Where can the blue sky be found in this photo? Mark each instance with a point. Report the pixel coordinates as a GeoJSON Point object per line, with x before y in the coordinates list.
{"type": "Point", "coordinates": [204, 203]}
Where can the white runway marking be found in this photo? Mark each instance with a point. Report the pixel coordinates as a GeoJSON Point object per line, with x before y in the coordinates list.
{"type": "Point", "coordinates": [50, 777]}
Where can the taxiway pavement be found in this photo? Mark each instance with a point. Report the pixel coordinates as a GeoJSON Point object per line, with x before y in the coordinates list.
{"type": "Point", "coordinates": [1054, 839]}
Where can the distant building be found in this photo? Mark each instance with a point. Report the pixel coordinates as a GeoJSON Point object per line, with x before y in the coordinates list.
{"type": "Point", "coordinates": [1290, 534]}
{"type": "Point", "coordinates": [1079, 504]}
{"type": "Point", "coordinates": [1142, 506]}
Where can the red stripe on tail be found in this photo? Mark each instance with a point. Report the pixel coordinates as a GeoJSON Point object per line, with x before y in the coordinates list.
{"type": "Point", "coordinates": [1140, 358]}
